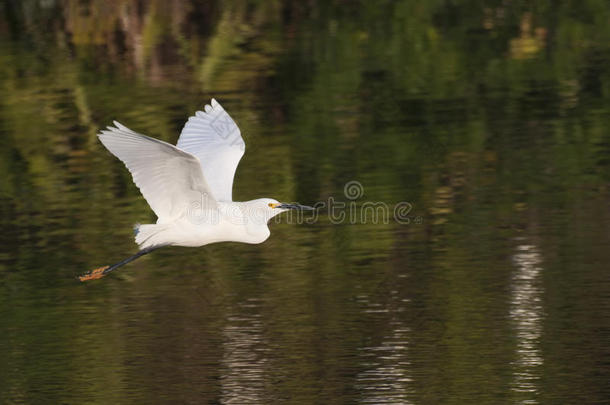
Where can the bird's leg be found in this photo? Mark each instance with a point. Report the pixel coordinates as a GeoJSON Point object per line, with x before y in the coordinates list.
{"type": "Point", "coordinates": [102, 271]}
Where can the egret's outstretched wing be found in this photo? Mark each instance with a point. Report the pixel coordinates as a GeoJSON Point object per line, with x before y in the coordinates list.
{"type": "Point", "coordinates": [170, 179]}
{"type": "Point", "coordinates": [215, 139]}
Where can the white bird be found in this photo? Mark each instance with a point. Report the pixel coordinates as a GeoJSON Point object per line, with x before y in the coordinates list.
{"type": "Point", "coordinates": [189, 185]}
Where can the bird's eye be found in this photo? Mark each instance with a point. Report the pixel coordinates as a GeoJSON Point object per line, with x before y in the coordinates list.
{"type": "Point", "coordinates": [271, 205]}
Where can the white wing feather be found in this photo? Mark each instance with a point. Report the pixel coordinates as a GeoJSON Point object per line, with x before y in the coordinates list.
{"type": "Point", "coordinates": [170, 179]}
{"type": "Point", "coordinates": [215, 139]}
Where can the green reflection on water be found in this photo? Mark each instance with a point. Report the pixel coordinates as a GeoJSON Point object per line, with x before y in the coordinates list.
{"type": "Point", "coordinates": [490, 118]}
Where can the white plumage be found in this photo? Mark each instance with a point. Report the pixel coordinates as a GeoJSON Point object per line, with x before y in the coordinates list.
{"type": "Point", "coordinates": [215, 139]}
{"type": "Point", "coordinates": [189, 186]}
{"type": "Point", "coordinates": [169, 178]}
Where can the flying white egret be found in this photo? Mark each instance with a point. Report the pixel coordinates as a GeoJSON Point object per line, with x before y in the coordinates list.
{"type": "Point", "coordinates": [188, 186]}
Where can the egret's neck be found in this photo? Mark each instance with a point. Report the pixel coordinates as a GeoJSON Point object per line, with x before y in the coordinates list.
{"type": "Point", "coordinates": [246, 212]}
{"type": "Point", "coordinates": [257, 213]}
{"type": "Point", "coordinates": [256, 217]}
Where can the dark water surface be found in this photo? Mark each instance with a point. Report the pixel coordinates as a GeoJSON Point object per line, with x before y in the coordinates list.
{"type": "Point", "coordinates": [488, 120]}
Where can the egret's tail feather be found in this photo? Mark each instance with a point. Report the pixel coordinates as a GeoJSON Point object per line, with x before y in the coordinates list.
{"type": "Point", "coordinates": [149, 235]}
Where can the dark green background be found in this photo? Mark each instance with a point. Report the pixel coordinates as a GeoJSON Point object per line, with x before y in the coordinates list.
{"type": "Point", "coordinates": [491, 118]}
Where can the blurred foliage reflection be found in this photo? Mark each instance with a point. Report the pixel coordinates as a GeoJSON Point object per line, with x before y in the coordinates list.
{"type": "Point", "coordinates": [491, 118]}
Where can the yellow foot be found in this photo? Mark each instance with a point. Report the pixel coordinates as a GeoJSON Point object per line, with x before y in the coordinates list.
{"type": "Point", "coordinates": [93, 274]}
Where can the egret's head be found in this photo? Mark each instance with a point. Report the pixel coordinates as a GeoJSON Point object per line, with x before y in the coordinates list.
{"type": "Point", "coordinates": [273, 207]}
{"type": "Point", "coordinates": [277, 206]}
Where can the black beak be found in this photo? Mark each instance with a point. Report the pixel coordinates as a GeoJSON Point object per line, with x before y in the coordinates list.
{"type": "Point", "coordinates": [295, 207]}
